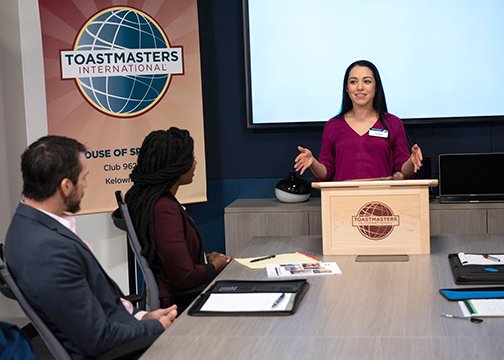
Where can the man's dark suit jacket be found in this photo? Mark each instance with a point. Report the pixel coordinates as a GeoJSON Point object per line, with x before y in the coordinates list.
{"type": "Point", "coordinates": [68, 288]}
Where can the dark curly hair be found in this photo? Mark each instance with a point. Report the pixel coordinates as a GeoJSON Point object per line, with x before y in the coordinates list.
{"type": "Point", "coordinates": [163, 158]}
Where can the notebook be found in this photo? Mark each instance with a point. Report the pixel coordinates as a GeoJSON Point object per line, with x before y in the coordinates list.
{"type": "Point", "coordinates": [250, 298]}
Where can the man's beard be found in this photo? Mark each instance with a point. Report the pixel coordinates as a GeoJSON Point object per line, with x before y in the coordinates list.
{"type": "Point", "coordinates": [72, 202]}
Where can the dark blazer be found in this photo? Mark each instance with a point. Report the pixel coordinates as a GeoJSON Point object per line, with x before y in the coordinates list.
{"type": "Point", "coordinates": [180, 252]}
{"type": "Point", "coordinates": [68, 288]}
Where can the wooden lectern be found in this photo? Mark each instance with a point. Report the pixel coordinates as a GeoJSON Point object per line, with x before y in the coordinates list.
{"type": "Point", "coordinates": [375, 217]}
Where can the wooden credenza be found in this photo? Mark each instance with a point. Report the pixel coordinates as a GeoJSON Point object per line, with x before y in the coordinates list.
{"type": "Point", "coordinates": [473, 218]}
{"type": "Point", "coordinates": [246, 218]}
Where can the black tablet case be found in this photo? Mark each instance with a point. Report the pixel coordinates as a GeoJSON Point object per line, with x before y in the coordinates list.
{"type": "Point", "coordinates": [299, 287]}
{"type": "Point", "coordinates": [475, 274]}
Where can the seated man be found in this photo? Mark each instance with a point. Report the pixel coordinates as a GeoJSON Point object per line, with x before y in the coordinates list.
{"type": "Point", "coordinates": [56, 270]}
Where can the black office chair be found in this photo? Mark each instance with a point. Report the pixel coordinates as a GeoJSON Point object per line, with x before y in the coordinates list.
{"type": "Point", "coordinates": [130, 350]}
{"type": "Point", "coordinates": [122, 220]}
{"type": "Point", "coordinates": [4, 288]}
{"type": "Point", "coordinates": [6, 281]}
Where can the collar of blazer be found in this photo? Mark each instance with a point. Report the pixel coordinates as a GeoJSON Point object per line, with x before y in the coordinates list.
{"type": "Point", "coordinates": [47, 221]}
{"type": "Point", "coordinates": [53, 224]}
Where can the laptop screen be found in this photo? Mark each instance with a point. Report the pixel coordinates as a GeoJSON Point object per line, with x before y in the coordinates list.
{"type": "Point", "coordinates": [471, 174]}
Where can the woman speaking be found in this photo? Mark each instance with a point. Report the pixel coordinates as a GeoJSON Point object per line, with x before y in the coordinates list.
{"type": "Point", "coordinates": [363, 141]}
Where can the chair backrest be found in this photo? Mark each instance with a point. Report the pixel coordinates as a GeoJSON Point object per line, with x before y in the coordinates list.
{"type": "Point", "coordinates": [4, 288]}
{"type": "Point", "coordinates": [152, 292]}
{"type": "Point", "coordinates": [57, 350]}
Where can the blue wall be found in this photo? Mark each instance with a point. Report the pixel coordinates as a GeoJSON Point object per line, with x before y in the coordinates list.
{"type": "Point", "coordinates": [244, 163]}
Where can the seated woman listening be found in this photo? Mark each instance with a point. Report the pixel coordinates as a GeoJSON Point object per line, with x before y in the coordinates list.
{"type": "Point", "coordinates": [170, 240]}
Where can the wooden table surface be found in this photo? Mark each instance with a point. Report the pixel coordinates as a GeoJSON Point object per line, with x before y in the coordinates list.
{"type": "Point", "coordinates": [371, 311]}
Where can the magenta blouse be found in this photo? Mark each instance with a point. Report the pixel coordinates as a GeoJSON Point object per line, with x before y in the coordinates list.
{"type": "Point", "coordinates": [347, 155]}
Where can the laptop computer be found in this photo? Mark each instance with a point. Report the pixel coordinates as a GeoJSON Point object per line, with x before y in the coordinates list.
{"type": "Point", "coordinates": [471, 177]}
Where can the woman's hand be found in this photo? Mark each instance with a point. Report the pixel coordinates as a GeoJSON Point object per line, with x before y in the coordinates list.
{"type": "Point", "coordinates": [416, 157]}
{"type": "Point", "coordinates": [218, 260]}
{"type": "Point", "coordinates": [213, 255]}
{"type": "Point", "coordinates": [414, 163]}
{"type": "Point", "coordinates": [304, 160]}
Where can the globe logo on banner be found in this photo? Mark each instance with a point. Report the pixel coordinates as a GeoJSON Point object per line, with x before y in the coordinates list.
{"type": "Point", "coordinates": [375, 220]}
{"type": "Point", "coordinates": [122, 62]}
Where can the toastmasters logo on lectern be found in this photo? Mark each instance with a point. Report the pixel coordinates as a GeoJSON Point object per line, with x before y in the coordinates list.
{"type": "Point", "coordinates": [122, 61]}
{"type": "Point", "coordinates": [375, 220]}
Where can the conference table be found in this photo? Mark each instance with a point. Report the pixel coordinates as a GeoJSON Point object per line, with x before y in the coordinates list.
{"type": "Point", "coordinates": [373, 310]}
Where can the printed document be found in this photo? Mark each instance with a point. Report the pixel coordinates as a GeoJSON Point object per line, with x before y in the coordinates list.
{"type": "Point", "coordinates": [301, 270]}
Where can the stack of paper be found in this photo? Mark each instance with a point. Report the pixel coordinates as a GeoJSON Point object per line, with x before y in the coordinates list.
{"type": "Point", "coordinates": [248, 302]}
{"type": "Point", "coordinates": [482, 307]}
{"type": "Point", "coordinates": [480, 259]}
{"type": "Point", "coordinates": [295, 258]}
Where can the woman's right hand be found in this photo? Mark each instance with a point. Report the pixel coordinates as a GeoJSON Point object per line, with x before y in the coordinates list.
{"type": "Point", "coordinates": [304, 160]}
{"type": "Point", "coordinates": [219, 262]}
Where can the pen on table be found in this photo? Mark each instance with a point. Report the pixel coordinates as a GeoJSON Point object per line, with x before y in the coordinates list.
{"type": "Point", "coordinates": [277, 301]}
{"type": "Point", "coordinates": [471, 319]}
{"type": "Point", "coordinates": [263, 258]}
{"type": "Point", "coordinates": [491, 270]}
{"type": "Point", "coordinates": [493, 258]}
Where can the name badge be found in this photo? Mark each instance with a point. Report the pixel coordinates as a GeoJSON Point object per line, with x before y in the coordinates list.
{"type": "Point", "coordinates": [382, 133]}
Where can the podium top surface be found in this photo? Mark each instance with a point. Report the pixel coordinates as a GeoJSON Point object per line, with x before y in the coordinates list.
{"type": "Point", "coordinates": [374, 183]}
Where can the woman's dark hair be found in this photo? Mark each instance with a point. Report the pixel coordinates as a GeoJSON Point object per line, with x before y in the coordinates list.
{"type": "Point", "coordinates": [379, 103]}
{"type": "Point", "coordinates": [163, 158]}
{"type": "Point", "coordinates": [48, 161]}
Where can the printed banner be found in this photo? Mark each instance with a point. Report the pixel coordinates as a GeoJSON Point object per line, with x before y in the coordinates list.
{"type": "Point", "coordinates": [115, 71]}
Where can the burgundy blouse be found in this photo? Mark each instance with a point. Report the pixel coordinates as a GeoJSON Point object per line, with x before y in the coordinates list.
{"type": "Point", "coordinates": [347, 155]}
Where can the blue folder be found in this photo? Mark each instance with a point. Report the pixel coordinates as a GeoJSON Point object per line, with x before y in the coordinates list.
{"type": "Point", "coordinates": [473, 293]}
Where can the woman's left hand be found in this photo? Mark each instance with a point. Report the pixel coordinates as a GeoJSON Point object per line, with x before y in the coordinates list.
{"type": "Point", "coordinates": [212, 255]}
{"type": "Point", "coordinates": [416, 157]}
